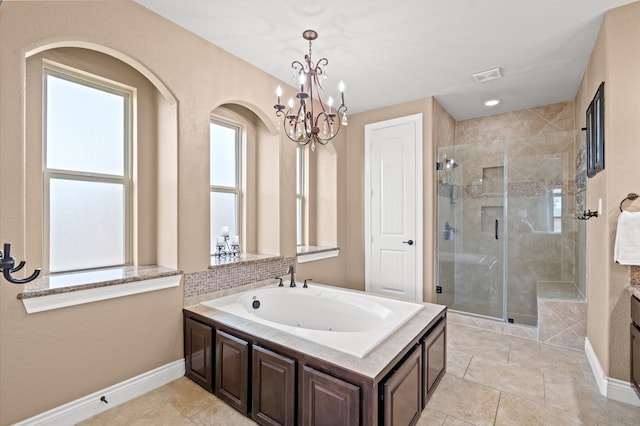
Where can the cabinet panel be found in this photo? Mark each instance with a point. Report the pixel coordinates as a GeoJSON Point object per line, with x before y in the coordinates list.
{"type": "Point", "coordinates": [403, 392]}
{"type": "Point", "coordinates": [635, 358]}
{"type": "Point", "coordinates": [327, 400]}
{"type": "Point", "coordinates": [198, 353]}
{"type": "Point", "coordinates": [434, 355]}
{"type": "Point", "coordinates": [273, 391]}
{"type": "Point", "coordinates": [232, 370]}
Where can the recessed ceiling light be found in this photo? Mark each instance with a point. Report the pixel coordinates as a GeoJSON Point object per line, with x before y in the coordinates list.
{"type": "Point", "coordinates": [492, 102]}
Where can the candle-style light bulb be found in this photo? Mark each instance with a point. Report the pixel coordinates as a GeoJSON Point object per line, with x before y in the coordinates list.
{"type": "Point", "coordinates": [330, 103]}
{"type": "Point", "coordinates": [290, 102]}
{"type": "Point", "coordinates": [302, 81]}
{"type": "Point", "coordinates": [341, 88]}
{"type": "Point", "coordinates": [279, 93]}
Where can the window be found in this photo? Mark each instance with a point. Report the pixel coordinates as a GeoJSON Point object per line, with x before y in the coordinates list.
{"type": "Point", "coordinates": [224, 179]}
{"type": "Point", "coordinates": [86, 170]}
{"type": "Point", "coordinates": [299, 195]}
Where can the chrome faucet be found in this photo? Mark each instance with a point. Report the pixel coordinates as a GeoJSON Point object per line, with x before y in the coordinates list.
{"type": "Point", "coordinates": [292, 271]}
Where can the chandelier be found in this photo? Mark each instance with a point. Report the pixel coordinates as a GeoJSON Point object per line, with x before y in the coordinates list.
{"type": "Point", "coordinates": [305, 122]}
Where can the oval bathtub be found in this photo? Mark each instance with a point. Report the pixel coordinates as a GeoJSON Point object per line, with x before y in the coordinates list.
{"type": "Point", "coordinates": [349, 321]}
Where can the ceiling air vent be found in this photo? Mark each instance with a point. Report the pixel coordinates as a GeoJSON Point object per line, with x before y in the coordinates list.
{"type": "Point", "coordinates": [484, 76]}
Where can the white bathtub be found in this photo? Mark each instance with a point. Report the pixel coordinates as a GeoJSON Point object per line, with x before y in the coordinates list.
{"type": "Point", "coordinates": [348, 321]}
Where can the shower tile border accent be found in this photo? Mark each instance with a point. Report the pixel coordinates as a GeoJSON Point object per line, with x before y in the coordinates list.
{"type": "Point", "coordinates": [225, 277]}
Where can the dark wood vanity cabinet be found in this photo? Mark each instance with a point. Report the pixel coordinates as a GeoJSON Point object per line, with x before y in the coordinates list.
{"type": "Point", "coordinates": [274, 388]}
{"type": "Point", "coordinates": [198, 347]}
{"type": "Point", "coordinates": [327, 400]}
{"type": "Point", "coordinates": [403, 392]}
{"type": "Point", "coordinates": [434, 356]}
{"type": "Point", "coordinates": [635, 343]}
{"type": "Point", "coordinates": [232, 371]}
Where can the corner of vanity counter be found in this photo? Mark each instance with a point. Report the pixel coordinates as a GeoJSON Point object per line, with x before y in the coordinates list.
{"type": "Point", "coordinates": [634, 290]}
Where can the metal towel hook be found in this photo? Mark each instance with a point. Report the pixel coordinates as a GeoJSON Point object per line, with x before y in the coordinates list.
{"type": "Point", "coordinates": [7, 265]}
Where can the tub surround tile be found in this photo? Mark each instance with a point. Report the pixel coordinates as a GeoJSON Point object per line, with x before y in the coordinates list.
{"type": "Point", "coordinates": [84, 280]}
{"type": "Point", "coordinates": [251, 270]}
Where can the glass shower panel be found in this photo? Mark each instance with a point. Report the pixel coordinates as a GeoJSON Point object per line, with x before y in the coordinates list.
{"type": "Point", "coordinates": [541, 232]}
{"type": "Point", "coordinates": [471, 237]}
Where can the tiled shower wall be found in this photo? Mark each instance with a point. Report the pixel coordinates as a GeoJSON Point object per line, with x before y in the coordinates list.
{"type": "Point", "coordinates": [225, 277]}
{"type": "Point", "coordinates": [536, 148]}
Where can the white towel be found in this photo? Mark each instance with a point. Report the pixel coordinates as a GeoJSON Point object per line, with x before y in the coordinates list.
{"type": "Point", "coordinates": [627, 248]}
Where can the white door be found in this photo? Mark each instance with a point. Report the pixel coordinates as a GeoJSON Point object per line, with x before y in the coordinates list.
{"type": "Point", "coordinates": [393, 207]}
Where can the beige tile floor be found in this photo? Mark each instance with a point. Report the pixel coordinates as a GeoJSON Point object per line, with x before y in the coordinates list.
{"type": "Point", "coordinates": [492, 379]}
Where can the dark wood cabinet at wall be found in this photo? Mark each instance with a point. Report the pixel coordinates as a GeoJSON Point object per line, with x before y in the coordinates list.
{"type": "Point", "coordinates": [274, 388]}
{"type": "Point", "coordinates": [280, 385]}
{"type": "Point", "coordinates": [198, 347]}
{"type": "Point", "coordinates": [635, 344]}
{"type": "Point", "coordinates": [403, 392]}
{"type": "Point", "coordinates": [434, 355]}
{"type": "Point", "coordinates": [327, 400]}
{"type": "Point", "coordinates": [232, 371]}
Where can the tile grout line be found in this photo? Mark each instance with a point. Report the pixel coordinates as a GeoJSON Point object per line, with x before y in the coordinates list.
{"type": "Point", "coordinates": [495, 417]}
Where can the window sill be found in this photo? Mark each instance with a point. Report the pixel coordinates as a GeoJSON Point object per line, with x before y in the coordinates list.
{"type": "Point", "coordinates": [312, 253]}
{"type": "Point", "coordinates": [63, 290]}
{"type": "Point", "coordinates": [245, 258]}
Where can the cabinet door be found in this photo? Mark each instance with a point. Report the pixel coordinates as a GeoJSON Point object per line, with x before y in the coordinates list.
{"type": "Point", "coordinates": [635, 358]}
{"type": "Point", "coordinates": [327, 400]}
{"type": "Point", "coordinates": [232, 370]}
{"type": "Point", "coordinates": [434, 353]}
{"type": "Point", "coordinates": [198, 353]}
{"type": "Point", "coordinates": [403, 392]}
{"type": "Point", "coordinates": [273, 391]}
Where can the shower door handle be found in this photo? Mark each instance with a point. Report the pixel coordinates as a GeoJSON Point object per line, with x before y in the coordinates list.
{"type": "Point", "coordinates": [496, 229]}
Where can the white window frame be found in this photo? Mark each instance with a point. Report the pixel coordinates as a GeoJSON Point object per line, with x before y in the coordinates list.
{"type": "Point", "coordinates": [237, 190]}
{"type": "Point", "coordinates": [129, 93]}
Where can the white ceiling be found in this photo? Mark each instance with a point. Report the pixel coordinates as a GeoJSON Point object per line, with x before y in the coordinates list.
{"type": "Point", "coordinates": [388, 52]}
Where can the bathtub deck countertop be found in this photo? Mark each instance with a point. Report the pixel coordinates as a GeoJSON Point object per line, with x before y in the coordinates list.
{"type": "Point", "coordinates": [371, 366]}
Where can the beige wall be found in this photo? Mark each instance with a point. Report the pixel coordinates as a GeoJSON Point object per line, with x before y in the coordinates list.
{"type": "Point", "coordinates": [616, 61]}
{"type": "Point", "coordinates": [50, 358]}
{"type": "Point", "coordinates": [355, 191]}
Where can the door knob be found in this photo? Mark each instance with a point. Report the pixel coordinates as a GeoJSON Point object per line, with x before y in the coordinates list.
{"type": "Point", "coordinates": [410, 242]}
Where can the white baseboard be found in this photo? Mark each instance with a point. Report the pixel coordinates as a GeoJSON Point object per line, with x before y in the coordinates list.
{"type": "Point", "coordinates": [611, 388]}
{"type": "Point", "coordinates": [90, 405]}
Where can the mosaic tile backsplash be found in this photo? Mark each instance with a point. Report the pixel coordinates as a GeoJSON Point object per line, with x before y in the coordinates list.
{"type": "Point", "coordinates": [224, 277]}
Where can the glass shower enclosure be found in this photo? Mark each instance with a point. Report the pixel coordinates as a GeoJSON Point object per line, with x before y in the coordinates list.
{"type": "Point", "coordinates": [504, 225]}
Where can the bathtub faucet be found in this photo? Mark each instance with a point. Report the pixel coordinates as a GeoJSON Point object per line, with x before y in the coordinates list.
{"type": "Point", "coordinates": [292, 271]}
